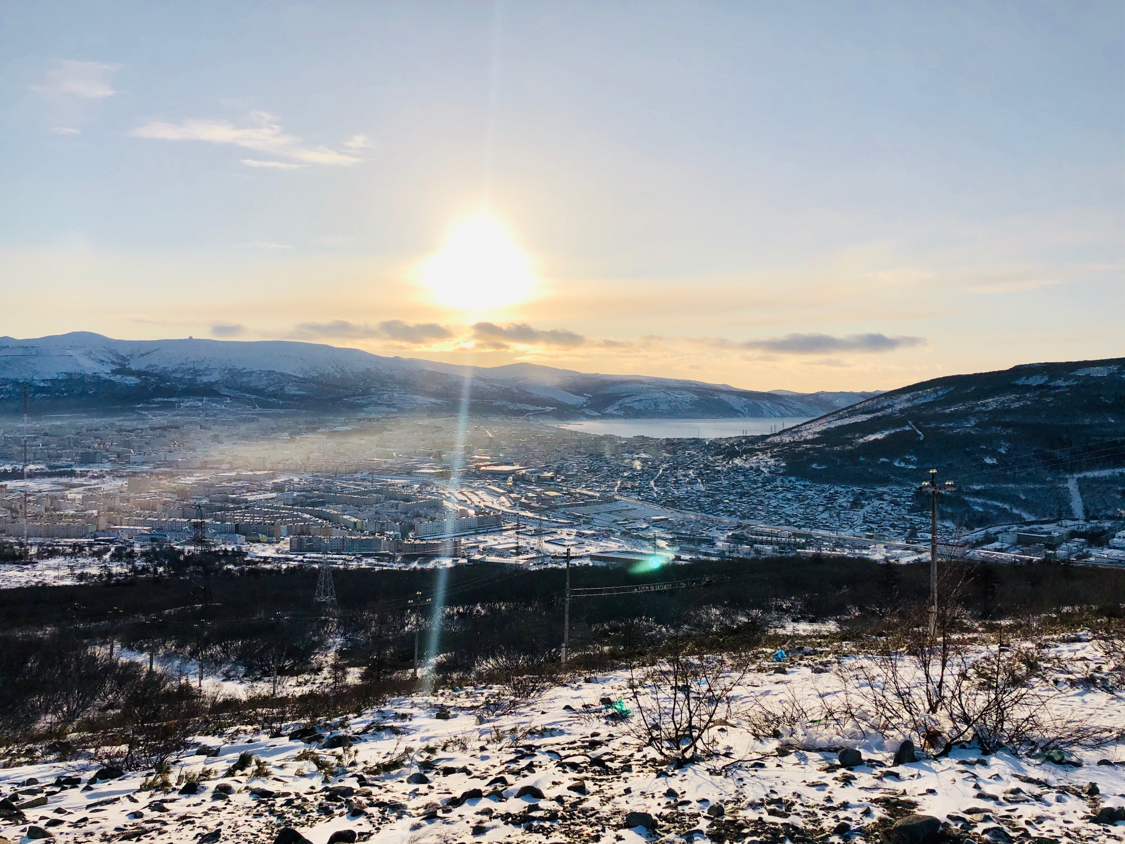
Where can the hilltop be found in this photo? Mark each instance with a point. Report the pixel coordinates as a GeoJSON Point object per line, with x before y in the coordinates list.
{"type": "Point", "coordinates": [1038, 441]}
{"type": "Point", "coordinates": [82, 370]}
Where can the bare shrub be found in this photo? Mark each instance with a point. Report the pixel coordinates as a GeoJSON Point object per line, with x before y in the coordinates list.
{"type": "Point", "coordinates": [519, 678]}
{"type": "Point", "coordinates": [995, 696]}
{"type": "Point", "coordinates": [793, 719]}
{"type": "Point", "coordinates": [1109, 640]}
{"type": "Point", "coordinates": [159, 718]}
{"type": "Point", "coordinates": [677, 702]}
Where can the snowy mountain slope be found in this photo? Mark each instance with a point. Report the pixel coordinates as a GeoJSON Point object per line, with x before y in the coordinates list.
{"type": "Point", "coordinates": [87, 370]}
{"type": "Point", "coordinates": [1021, 432]}
{"type": "Point", "coordinates": [563, 767]}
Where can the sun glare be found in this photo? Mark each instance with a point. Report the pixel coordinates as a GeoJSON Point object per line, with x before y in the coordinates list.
{"type": "Point", "coordinates": [480, 268]}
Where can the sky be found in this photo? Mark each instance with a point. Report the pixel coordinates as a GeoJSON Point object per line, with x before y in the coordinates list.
{"type": "Point", "coordinates": [805, 195]}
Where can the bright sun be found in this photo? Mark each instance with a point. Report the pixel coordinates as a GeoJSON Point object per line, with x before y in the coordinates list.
{"type": "Point", "coordinates": [479, 269]}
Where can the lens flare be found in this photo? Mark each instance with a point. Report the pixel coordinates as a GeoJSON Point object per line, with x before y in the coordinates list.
{"type": "Point", "coordinates": [433, 642]}
{"type": "Point", "coordinates": [653, 563]}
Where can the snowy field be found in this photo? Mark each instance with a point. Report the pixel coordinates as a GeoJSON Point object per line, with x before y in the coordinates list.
{"type": "Point", "coordinates": [560, 768]}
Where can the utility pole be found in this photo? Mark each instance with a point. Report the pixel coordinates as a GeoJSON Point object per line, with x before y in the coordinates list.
{"type": "Point", "coordinates": [24, 550]}
{"type": "Point", "coordinates": [934, 490]}
{"type": "Point", "coordinates": [566, 613]}
{"type": "Point", "coordinates": [414, 603]}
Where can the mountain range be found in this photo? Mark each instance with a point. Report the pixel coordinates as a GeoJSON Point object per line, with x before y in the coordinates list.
{"type": "Point", "coordinates": [83, 370]}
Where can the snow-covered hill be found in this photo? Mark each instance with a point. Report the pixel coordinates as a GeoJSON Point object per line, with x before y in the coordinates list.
{"type": "Point", "coordinates": [88, 370]}
{"type": "Point", "coordinates": [565, 766]}
{"type": "Point", "coordinates": [1016, 439]}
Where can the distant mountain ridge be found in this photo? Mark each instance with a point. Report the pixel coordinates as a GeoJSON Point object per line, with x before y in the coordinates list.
{"type": "Point", "coordinates": [86, 370]}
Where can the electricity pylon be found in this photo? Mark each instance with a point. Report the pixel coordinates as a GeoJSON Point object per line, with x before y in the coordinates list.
{"type": "Point", "coordinates": [325, 589]}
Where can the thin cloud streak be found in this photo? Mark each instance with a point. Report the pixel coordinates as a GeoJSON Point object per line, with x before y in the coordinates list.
{"type": "Point", "coordinates": [227, 330]}
{"type": "Point", "coordinates": [818, 344]}
{"type": "Point", "coordinates": [88, 80]}
{"type": "Point", "coordinates": [422, 334]}
{"type": "Point", "coordinates": [260, 131]}
{"type": "Point", "coordinates": [274, 165]}
{"type": "Point", "coordinates": [492, 336]}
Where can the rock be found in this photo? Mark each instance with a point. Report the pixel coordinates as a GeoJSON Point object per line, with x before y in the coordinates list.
{"type": "Point", "coordinates": [578, 787]}
{"type": "Point", "coordinates": [204, 750]}
{"type": "Point", "coordinates": [997, 833]}
{"type": "Point", "coordinates": [33, 803]}
{"type": "Point", "coordinates": [479, 829]}
{"type": "Point", "coordinates": [340, 791]}
{"type": "Point", "coordinates": [1092, 790]}
{"type": "Point", "coordinates": [288, 835]}
{"type": "Point", "coordinates": [905, 754]}
{"type": "Point", "coordinates": [641, 819]}
{"type": "Point", "coordinates": [442, 715]}
{"type": "Point", "coordinates": [37, 832]}
{"type": "Point", "coordinates": [471, 794]}
{"type": "Point", "coordinates": [716, 810]}
{"type": "Point", "coordinates": [500, 781]}
{"type": "Point", "coordinates": [67, 782]}
{"type": "Point", "coordinates": [303, 734]}
{"type": "Point", "coordinates": [211, 837]}
{"type": "Point", "coordinates": [9, 811]}
{"type": "Point", "coordinates": [337, 741]}
{"type": "Point", "coordinates": [529, 791]}
{"type": "Point", "coordinates": [842, 828]}
{"type": "Point", "coordinates": [342, 836]}
{"type": "Point", "coordinates": [262, 793]}
{"type": "Point", "coordinates": [224, 788]}
{"type": "Point", "coordinates": [107, 773]}
{"type": "Point", "coordinates": [418, 778]}
{"type": "Point", "coordinates": [1106, 815]}
{"type": "Point", "coordinates": [914, 829]}
{"type": "Point", "coordinates": [190, 788]}
{"type": "Point", "coordinates": [850, 758]}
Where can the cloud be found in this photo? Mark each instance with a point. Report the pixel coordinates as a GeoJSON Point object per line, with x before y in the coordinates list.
{"type": "Point", "coordinates": [1013, 286]}
{"type": "Point", "coordinates": [266, 244]}
{"type": "Point", "coordinates": [88, 80]}
{"type": "Point", "coordinates": [818, 344]}
{"type": "Point", "coordinates": [259, 131]}
{"type": "Point", "coordinates": [418, 334]}
{"type": "Point", "coordinates": [226, 329]}
{"type": "Point", "coordinates": [66, 130]}
{"type": "Point", "coordinates": [491, 336]}
{"type": "Point", "coordinates": [275, 165]}
{"type": "Point", "coordinates": [358, 142]}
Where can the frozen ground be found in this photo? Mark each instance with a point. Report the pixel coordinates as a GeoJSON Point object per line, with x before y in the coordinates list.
{"type": "Point", "coordinates": [586, 773]}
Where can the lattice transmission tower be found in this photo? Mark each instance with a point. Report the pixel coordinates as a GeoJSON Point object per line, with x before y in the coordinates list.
{"type": "Point", "coordinates": [325, 588]}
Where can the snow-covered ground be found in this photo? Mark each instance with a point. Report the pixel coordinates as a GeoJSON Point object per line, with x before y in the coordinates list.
{"type": "Point", "coordinates": [581, 773]}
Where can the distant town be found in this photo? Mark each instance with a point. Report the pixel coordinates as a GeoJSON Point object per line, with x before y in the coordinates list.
{"type": "Point", "coordinates": [417, 491]}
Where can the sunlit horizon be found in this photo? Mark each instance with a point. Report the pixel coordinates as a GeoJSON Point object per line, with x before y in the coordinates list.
{"type": "Point", "coordinates": [772, 197]}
